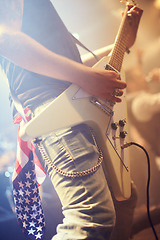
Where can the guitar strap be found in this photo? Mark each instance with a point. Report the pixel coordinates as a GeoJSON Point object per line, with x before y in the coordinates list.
{"type": "Point", "coordinates": [83, 46]}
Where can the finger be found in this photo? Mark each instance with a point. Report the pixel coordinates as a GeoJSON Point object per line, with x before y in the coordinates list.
{"type": "Point", "coordinates": [119, 93]}
{"type": "Point", "coordinates": [139, 11]}
{"type": "Point", "coordinates": [133, 19]}
{"type": "Point", "coordinates": [129, 6]}
{"type": "Point", "coordinates": [114, 74]}
{"type": "Point", "coordinates": [135, 11]}
{"type": "Point", "coordinates": [112, 98]}
{"type": "Point", "coordinates": [115, 81]}
{"type": "Point", "coordinates": [119, 84]}
{"type": "Point", "coordinates": [116, 99]}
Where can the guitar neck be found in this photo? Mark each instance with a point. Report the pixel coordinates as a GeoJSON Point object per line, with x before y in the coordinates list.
{"type": "Point", "coordinates": [120, 45]}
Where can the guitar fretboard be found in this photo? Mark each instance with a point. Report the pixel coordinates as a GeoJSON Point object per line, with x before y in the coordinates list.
{"type": "Point", "coordinates": [120, 45]}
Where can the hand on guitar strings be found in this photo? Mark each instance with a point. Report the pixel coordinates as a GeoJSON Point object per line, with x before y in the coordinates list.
{"type": "Point", "coordinates": [134, 15]}
{"type": "Point", "coordinates": [103, 84]}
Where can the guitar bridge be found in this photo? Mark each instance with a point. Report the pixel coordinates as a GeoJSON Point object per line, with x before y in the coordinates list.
{"type": "Point", "coordinates": [105, 105]}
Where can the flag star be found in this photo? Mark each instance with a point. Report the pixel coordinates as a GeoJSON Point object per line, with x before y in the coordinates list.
{"type": "Point", "coordinates": [38, 235]}
{"type": "Point", "coordinates": [24, 225]}
{"type": "Point", "coordinates": [14, 192]}
{"type": "Point", "coordinates": [39, 228]}
{"type": "Point", "coordinates": [35, 190]}
{"type": "Point", "coordinates": [32, 224]}
{"type": "Point", "coordinates": [26, 209]}
{"type": "Point", "coordinates": [39, 202]}
{"type": "Point", "coordinates": [40, 211]}
{"type": "Point", "coordinates": [25, 216]}
{"type": "Point", "coordinates": [34, 207]}
{"type": "Point", "coordinates": [20, 200]}
{"type": "Point", "coordinates": [27, 200]}
{"type": "Point", "coordinates": [33, 215]}
{"type": "Point", "coordinates": [19, 208]}
{"type": "Point", "coordinates": [19, 215]}
{"type": "Point", "coordinates": [28, 175]}
{"type": "Point", "coordinates": [40, 220]}
{"type": "Point", "coordinates": [31, 231]}
{"type": "Point", "coordinates": [27, 192]}
{"type": "Point", "coordinates": [20, 192]}
{"type": "Point", "coordinates": [35, 180]}
{"type": "Point", "coordinates": [21, 184]}
{"type": "Point", "coordinates": [15, 200]}
{"type": "Point", "coordinates": [34, 198]}
{"type": "Point", "coordinates": [28, 184]}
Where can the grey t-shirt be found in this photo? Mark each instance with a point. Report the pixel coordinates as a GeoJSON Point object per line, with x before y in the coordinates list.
{"type": "Point", "coordinates": [41, 22]}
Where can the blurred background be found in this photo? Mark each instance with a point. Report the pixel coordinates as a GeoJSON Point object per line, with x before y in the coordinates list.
{"type": "Point", "coordinates": [95, 23]}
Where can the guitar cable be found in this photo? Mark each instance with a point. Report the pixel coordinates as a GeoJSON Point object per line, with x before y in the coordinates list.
{"type": "Point", "coordinates": [148, 184]}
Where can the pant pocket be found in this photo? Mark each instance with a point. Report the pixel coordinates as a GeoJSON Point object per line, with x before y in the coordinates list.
{"type": "Point", "coordinates": [80, 146]}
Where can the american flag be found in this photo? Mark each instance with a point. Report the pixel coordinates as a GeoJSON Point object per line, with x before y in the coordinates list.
{"type": "Point", "coordinates": [28, 174]}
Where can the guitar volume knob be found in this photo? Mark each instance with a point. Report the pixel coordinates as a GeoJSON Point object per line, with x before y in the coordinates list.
{"type": "Point", "coordinates": [123, 134]}
{"type": "Point", "coordinates": [122, 123]}
{"type": "Point", "coordinates": [114, 126]}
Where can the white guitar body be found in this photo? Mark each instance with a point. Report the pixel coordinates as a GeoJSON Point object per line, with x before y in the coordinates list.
{"type": "Point", "coordinates": [74, 106]}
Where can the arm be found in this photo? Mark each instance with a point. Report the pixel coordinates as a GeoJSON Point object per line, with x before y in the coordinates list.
{"type": "Point", "coordinates": [88, 58]}
{"type": "Point", "coordinates": [30, 55]}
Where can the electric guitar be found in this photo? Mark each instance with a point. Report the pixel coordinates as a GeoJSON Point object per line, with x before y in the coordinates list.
{"type": "Point", "coordinates": [108, 120]}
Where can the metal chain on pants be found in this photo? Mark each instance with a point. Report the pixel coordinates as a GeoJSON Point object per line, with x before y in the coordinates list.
{"type": "Point", "coordinates": [71, 174]}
